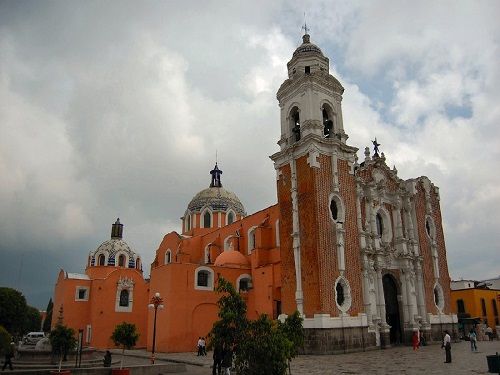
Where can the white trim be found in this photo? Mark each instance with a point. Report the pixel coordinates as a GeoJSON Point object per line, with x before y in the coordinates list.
{"type": "Point", "coordinates": [243, 276]}
{"type": "Point", "coordinates": [202, 218]}
{"type": "Point", "coordinates": [251, 242]}
{"type": "Point", "coordinates": [227, 216]}
{"type": "Point", "coordinates": [327, 321]}
{"type": "Point", "coordinates": [88, 336]}
{"type": "Point", "coordinates": [347, 294]}
{"type": "Point", "coordinates": [386, 224]}
{"type": "Point", "coordinates": [227, 242]}
{"type": "Point", "coordinates": [340, 208]}
{"type": "Point", "coordinates": [87, 292]}
{"type": "Point", "coordinates": [432, 227]}
{"type": "Point", "coordinates": [168, 256]}
{"type": "Point", "coordinates": [117, 258]}
{"type": "Point", "coordinates": [105, 258]}
{"type": "Point", "coordinates": [124, 284]}
{"type": "Point", "coordinates": [210, 286]}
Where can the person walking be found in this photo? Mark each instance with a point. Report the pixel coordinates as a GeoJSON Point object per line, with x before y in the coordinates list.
{"type": "Point", "coordinates": [415, 340]}
{"type": "Point", "coordinates": [199, 347]}
{"type": "Point", "coordinates": [473, 340]}
{"type": "Point", "coordinates": [9, 354]}
{"type": "Point", "coordinates": [447, 346]}
{"type": "Point", "coordinates": [203, 346]}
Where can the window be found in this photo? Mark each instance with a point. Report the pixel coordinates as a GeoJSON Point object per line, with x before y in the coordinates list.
{"type": "Point", "coordinates": [295, 123]}
{"type": "Point", "coordinates": [429, 228]}
{"type": "Point", "coordinates": [138, 263]}
{"type": "Point", "coordinates": [101, 259]}
{"type": "Point", "coordinates": [230, 217]}
{"type": "Point", "coordinates": [251, 239]}
{"type": "Point", "coordinates": [188, 222]}
{"type": "Point", "coordinates": [277, 233]}
{"type": "Point", "coordinates": [438, 296]}
{"type": "Point", "coordinates": [204, 278]}
{"type": "Point", "coordinates": [82, 293]}
{"type": "Point", "coordinates": [483, 306]}
{"type": "Point", "coordinates": [244, 283]}
{"type": "Point", "coordinates": [307, 70]}
{"type": "Point", "coordinates": [342, 294]}
{"type": "Point", "coordinates": [334, 210]}
{"type": "Point", "coordinates": [168, 257]}
{"type": "Point", "coordinates": [494, 305]}
{"type": "Point", "coordinates": [460, 306]}
{"type": "Point", "coordinates": [327, 121]}
{"type": "Point", "coordinates": [380, 225]}
{"type": "Point", "coordinates": [121, 261]}
{"type": "Point", "coordinates": [124, 298]}
{"type": "Point", "coordinates": [207, 219]}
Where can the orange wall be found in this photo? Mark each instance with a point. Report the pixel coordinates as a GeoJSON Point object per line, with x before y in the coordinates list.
{"type": "Point", "coordinates": [472, 302]}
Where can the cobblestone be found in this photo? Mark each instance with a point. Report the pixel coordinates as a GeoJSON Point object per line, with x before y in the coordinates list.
{"type": "Point", "coordinates": [398, 360]}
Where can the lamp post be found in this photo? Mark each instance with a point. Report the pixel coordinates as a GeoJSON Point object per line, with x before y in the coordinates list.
{"type": "Point", "coordinates": [155, 303]}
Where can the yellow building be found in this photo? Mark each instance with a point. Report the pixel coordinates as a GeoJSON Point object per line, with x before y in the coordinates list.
{"type": "Point", "coordinates": [475, 304]}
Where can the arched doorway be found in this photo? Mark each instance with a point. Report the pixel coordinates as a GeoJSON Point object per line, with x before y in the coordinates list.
{"type": "Point", "coordinates": [392, 309]}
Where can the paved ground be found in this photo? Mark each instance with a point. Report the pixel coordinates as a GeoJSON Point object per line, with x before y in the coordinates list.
{"type": "Point", "coordinates": [401, 360]}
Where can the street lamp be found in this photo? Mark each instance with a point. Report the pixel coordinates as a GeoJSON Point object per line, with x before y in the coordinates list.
{"type": "Point", "coordinates": [155, 303]}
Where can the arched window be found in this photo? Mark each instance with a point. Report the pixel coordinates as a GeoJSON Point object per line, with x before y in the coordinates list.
{"type": "Point", "coordinates": [168, 257]}
{"type": "Point", "coordinates": [188, 222]}
{"type": "Point", "coordinates": [121, 260]}
{"type": "Point", "coordinates": [430, 229]}
{"type": "Point", "coordinates": [327, 124]}
{"type": "Point", "coordinates": [244, 283]}
{"type": "Point", "coordinates": [204, 278]}
{"type": "Point", "coordinates": [251, 239]}
{"type": "Point", "coordinates": [483, 306]}
{"type": "Point", "coordinates": [230, 217]}
{"type": "Point", "coordinates": [102, 260]}
{"type": "Point", "coordinates": [277, 233]}
{"type": "Point", "coordinates": [207, 219]}
{"type": "Point", "coordinates": [380, 225]}
{"type": "Point", "coordinates": [295, 123]}
{"type": "Point", "coordinates": [124, 294]}
{"type": "Point", "coordinates": [460, 306]}
{"type": "Point", "coordinates": [334, 210]}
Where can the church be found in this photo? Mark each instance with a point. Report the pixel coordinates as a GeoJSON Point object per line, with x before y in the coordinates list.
{"type": "Point", "coordinates": [359, 252]}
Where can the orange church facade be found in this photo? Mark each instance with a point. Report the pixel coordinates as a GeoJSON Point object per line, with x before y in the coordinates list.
{"type": "Point", "coordinates": [359, 252]}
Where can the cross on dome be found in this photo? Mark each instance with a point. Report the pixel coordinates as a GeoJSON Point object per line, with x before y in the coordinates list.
{"type": "Point", "coordinates": [216, 172]}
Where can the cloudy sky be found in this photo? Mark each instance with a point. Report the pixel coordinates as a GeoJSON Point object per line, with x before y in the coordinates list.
{"type": "Point", "coordinates": [116, 109]}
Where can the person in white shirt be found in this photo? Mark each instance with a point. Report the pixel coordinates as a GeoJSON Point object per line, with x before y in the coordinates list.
{"type": "Point", "coordinates": [473, 340]}
{"type": "Point", "coordinates": [447, 346]}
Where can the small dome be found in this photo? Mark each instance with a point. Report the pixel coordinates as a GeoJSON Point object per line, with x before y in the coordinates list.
{"type": "Point", "coordinates": [307, 47]}
{"type": "Point", "coordinates": [232, 259]}
{"type": "Point", "coordinates": [113, 247]}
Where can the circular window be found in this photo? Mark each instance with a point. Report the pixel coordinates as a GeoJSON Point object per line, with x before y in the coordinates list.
{"type": "Point", "coordinates": [342, 294]}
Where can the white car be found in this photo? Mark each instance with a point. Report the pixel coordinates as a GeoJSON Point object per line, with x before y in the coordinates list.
{"type": "Point", "coordinates": [33, 337]}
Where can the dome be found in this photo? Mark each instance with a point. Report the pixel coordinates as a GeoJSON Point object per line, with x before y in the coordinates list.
{"type": "Point", "coordinates": [232, 259]}
{"type": "Point", "coordinates": [114, 247]}
{"type": "Point", "coordinates": [307, 47]}
{"type": "Point", "coordinates": [216, 197]}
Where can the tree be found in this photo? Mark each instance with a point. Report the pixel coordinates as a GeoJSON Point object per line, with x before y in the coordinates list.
{"type": "Point", "coordinates": [47, 323]}
{"type": "Point", "coordinates": [265, 350]}
{"type": "Point", "coordinates": [230, 329]}
{"type": "Point", "coordinates": [33, 320]}
{"type": "Point", "coordinates": [292, 329]}
{"type": "Point", "coordinates": [262, 346]}
{"type": "Point", "coordinates": [5, 340]}
{"type": "Point", "coordinates": [13, 310]}
{"type": "Point", "coordinates": [62, 339]}
{"type": "Point", "coordinates": [126, 336]}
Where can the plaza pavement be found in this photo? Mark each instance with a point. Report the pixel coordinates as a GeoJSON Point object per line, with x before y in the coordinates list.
{"type": "Point", "coordinates": [398, 360]}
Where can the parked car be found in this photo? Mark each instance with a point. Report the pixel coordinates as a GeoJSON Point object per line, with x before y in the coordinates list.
{"type": "Point", "coordinates": [33, 337]}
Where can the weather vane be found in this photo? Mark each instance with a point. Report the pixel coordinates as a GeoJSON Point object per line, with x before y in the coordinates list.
{"type": "Point", "coordinates": [375, 146]}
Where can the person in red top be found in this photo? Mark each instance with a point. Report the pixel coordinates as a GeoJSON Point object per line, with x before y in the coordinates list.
{"type": "Point", "coordinates": [415, 340]}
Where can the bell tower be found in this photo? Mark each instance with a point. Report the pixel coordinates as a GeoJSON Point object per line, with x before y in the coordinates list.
{"type": "Point", "coordinates": [316, 186]}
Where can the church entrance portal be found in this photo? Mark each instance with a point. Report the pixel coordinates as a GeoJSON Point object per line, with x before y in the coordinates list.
{"type": "Point", "coordinates": [392, 308]}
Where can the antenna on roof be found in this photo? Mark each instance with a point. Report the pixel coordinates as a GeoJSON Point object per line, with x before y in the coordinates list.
{"type": "Point", "coordinates": [305, 28]}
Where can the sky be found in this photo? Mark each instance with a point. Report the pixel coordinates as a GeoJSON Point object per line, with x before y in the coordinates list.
{"type": "Point", "coordinates": [117, 109]}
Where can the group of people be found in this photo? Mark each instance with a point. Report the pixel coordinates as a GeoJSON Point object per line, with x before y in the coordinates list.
{"type": "Point", "coordinates": [202, 346]}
